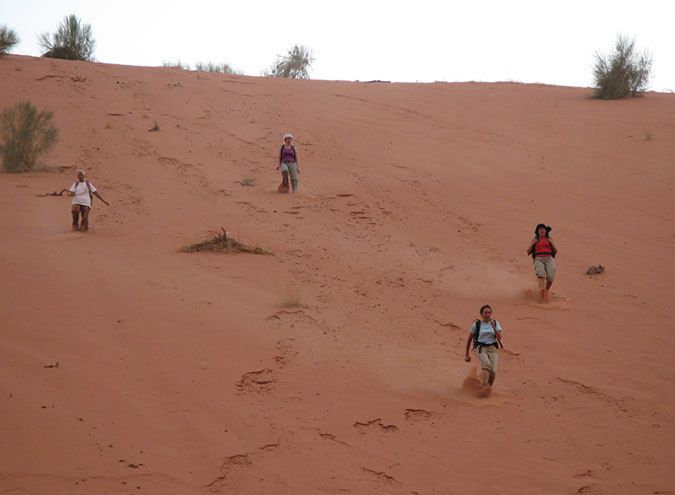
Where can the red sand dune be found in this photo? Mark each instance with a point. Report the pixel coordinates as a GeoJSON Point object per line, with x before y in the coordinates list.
{"type": "Point", "coordinates": [185, 373]}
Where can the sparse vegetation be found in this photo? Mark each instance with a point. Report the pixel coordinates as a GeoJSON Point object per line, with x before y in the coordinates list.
{"type": "Point", "coordinates": [224, 244]}
{"type": "Point", "coordinates": [8, 39]}
{"type": "Point", "coordinates": [247, 182]}
{"type": "Point", "coordinates": [294, 65]}
{"type": "Point", "coordinates": [292, 298]}
{"type": "Point", "coordinates": [73, 40]}
{"type": "Point", "coordinates": [595, 270]}
{"type": "Point", "coordinates": [176, 65]}
{"type": "Point", "coordinates": [155, 126]}
{"type": "Point", "coordinates": [649, 136]}
{"type": "Point", "coordinates": [624, 73]}
{"type": "Point", "coordinates": [25, 135]}
{"type": "Point", "coordinates": [219, 68]}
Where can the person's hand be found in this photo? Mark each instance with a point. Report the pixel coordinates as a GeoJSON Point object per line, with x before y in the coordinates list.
{"type": "Point", "coordinates": [467, 358]}
{"type": "Point", "coordinates": [298, 171]}
{"type": "Point", "coordinates": [106, 203]}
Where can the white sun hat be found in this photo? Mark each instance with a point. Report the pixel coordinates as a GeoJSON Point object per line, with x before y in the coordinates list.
{"type": "Point", "coordinates": [289, 135]}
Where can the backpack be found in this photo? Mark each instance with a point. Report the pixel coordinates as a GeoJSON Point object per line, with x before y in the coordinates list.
{"type": "Point", "coordinates": [91, 196]}
{"type": "Point", "coordinates": [480, 344]}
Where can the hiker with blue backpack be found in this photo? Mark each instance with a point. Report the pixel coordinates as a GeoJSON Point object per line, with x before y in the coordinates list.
{"type": "Point", "coordinates": [288, 164]}
{"type": "Point", "coordinates": [82, 192]}
{"type": "Point", "coordinates": [543, 251]}
{"type": "Point", "coordinates": [486, 335]}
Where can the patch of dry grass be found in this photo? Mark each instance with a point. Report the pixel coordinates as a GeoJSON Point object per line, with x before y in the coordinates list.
{"type": "Point", "coordinates": [595, 270]}
{"type": "Point", "coordinates": [292, 298]}
{"type": "Point", "coordinates": [222, 243]}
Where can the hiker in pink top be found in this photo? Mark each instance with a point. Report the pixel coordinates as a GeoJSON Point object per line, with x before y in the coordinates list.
{"type": "Point", "coordinates": [82, 192]}
{"type": "Point", "coordinates": [288, 164]}
{"type": "Point", "coordinates": [543, 250]}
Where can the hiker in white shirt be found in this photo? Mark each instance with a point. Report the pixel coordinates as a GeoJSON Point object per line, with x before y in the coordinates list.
{"type": "Point", "coordinates": [486, 335]}
{"type": "Point", "coordinates": [82, 192]}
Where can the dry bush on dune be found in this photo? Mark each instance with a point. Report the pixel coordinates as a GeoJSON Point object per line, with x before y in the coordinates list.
{"type": "Point", "coordinates": [222, 243]}
{"type": "Point", "coordinates": [8, 39]}
{"type": "Point", "coordinates": [25, 134]}
{"type": "Point", "coordinates": [176, 65]}
{"type": "Point", "coordinates": [218, 68]}
{"type": "Point", "coordinates": [623, 73]}
{"type": "Point", "coordinates": [292, 298]}
{"type": "Point", "coordinates": [294, 65]}
{"type": "Point", "coordinates": [247, 182]}
{"type": "Point", "coordinates": [73, 40]}
{"type": "Point", "coordinates": [595, 270]}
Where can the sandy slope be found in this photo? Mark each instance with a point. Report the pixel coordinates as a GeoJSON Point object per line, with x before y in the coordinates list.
{"type": "Point", "coordinates": [417, 204]}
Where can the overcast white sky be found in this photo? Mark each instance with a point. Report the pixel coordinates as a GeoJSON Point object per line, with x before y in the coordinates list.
{"type": "Point", "coordinates": [547, 41]}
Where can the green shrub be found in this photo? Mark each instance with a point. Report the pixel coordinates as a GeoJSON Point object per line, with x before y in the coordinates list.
{"type": "Point", "coordinates": [294, 65]}
{"type": "Point", "coordinates": [8, 39]}
{"type": "Point", "coordinates": [72, 40]}
{"type": "Point", "coordinates": [219, 68]}
{"type": "Point", "coordinates": [623, 73]}
{"type": "Point", "coordinates": [25, 134]}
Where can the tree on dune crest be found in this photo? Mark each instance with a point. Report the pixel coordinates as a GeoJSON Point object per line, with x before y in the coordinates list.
{"type": "Point", "coordinates": [294, 65]}
{"type": "Point", "coordinates": [8, 39]}
{"type": "Point", "coordinates": [73, 40]}
{"type": "Point", "coordinates": [623, 73]}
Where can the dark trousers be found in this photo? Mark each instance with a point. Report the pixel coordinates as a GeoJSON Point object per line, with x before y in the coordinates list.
{"type": "Point", "coordinates": [84, 211]}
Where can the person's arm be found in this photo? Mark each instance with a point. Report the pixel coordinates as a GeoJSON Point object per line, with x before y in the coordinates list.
{"type": "Point", "coordinates": [281, 154]}
{"type": "Point", "coordinates": [498, 333]}
{"type": "Point", "coordinates": [531, 246]}
{"type": "Point", "coordinates": [297, 163]}
{"type": "Point", "coordinates": [467, 358]}
{"type": "Point", "coordinates": [554, 249]}
{"type": "Point", "coordinates": [99, 197]}
{"type": "Point", "coordinates": [71, 191]}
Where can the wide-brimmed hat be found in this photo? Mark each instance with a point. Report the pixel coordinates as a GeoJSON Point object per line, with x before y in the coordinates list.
{"type": "Point", "coordinates": [288, 135]}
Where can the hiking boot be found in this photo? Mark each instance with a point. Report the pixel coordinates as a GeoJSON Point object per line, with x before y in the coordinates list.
{"type": "Point", "coordinates": [76, 226]}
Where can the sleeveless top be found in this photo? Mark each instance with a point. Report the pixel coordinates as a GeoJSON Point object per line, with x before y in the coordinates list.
{"type": "Point", "coordinates": [287, 155]}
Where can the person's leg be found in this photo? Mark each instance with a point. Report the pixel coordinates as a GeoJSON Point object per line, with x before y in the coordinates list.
{"type": "Point", "coordinates": [75, 210]}
{"type": "Point", "coordinates": [293, 171]}
{"type": "Point", "coordinates": [485, 365]}
{"type": "Point", "coordinates": [85, 217]}
{"type": "Point", "coordinates": [540, 270]}
{"type": "Point", "coordinates": [550, 272]}
{"type": "Point", "coordinates": [493, 355]}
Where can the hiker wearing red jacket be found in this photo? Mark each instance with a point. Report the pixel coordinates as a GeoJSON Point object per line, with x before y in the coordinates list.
{"type": "Point", "coordinates": [82, 192]}
{"type": "Point", "coordinates": [543, 250]}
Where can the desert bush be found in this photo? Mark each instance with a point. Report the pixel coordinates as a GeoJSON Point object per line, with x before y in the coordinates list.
{"type": "Point", "coordinates": [222, 243]}
{"type": "Point", "coordinates": [176, 65]}
{"type": "Point", "coordinates": [8, 39]}
{"type": "Point", "coordinates": [25, 134]}
{"type": "Point", "coordinates": [73, 40]}
{"type": "Point", "coordinates": [623, 73]}
{"type": "Point", "coordinates": [292, 298]}
{"type": "Point", "coordinates": [219, 68]}
{"type": "Point", "coordinates": [595, 270]}
{"type": "Point", "coordinates": [294, 65]}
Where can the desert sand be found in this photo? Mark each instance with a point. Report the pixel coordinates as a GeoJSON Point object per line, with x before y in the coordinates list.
{"type": "Point", "coordinates": [335, 365]}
